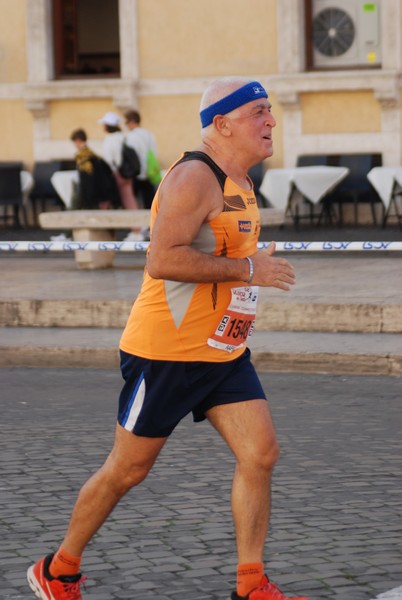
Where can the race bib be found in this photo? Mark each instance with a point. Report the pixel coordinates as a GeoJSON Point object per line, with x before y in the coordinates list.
{"type": "Point", "coordinates": [237, 324]}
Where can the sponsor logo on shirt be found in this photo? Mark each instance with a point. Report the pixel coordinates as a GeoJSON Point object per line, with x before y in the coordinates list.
{"type": "Point", "coordinates": [244, 294]}
{"type": "Point", "coordinates": [244, 226]}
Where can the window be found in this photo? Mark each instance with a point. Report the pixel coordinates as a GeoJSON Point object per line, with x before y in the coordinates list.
{"type": "Point", "coordinates": [86, 38]}
{"type": "Point", "coordinates": [342, 34]}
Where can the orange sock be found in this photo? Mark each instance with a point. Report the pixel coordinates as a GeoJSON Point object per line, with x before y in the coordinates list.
{"type": "Point", "coordinates": [249, 577]}
{"type": "Point", "coordinates": [64, 564]}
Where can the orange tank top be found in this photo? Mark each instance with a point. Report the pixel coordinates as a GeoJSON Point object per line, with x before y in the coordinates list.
{"type": "Point", "coordinates": [200, 322]}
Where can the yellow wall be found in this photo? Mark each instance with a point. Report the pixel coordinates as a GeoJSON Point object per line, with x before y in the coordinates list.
{"type": "Point", "coordinates": [67, 115]}
{"type": "Point", "coordinates": [340, 112]}
{"type": "Point", "coordinates": [177, 39]}
{"type": "Point", "coordinates": [13, 67]}
{"type": "Point", "coordinates": [16, 132]}
{"type": "Point", "coordinates": [175, 122]}
{"type": "Point", "coordinates": [206, 38]}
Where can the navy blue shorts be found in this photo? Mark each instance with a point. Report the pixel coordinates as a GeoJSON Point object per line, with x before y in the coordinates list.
{"type": "Point", "coordinates": [158, 394]}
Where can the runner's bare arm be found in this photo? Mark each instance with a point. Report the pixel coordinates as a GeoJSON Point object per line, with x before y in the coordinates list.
{"type": "Point", "coordinates": [189, 197]}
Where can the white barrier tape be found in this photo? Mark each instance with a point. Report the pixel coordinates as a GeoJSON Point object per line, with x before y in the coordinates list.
{"type": "Point", "coordinates": [69, 246]}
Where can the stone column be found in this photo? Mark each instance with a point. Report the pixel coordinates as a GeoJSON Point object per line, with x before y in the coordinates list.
{"type": "Point", "coordinates": [39, 33]}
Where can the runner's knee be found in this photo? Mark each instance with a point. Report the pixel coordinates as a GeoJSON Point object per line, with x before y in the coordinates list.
{"type": "Point", "coordinates": [122, 475]}
{"type": "Point", "coordinates": [261, 457]}
{"type": "Point", "coordinates": [123, 480]}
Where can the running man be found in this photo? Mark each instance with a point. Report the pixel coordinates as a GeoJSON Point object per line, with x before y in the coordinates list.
{"type": "Point", "coordinates": [184, 346]}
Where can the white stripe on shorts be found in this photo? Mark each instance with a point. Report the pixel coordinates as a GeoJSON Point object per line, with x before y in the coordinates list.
{"type": "Point", "coordinates": [136, 406]}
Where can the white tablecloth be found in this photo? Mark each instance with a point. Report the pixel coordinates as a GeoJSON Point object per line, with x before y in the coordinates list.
{"type": "Point", "coordinates": [26, 185]}
{"type": "Point", "coordinates": [383, 179]}
{"type": "Point", "coordinates": [311, 182]}
{"type": "Point", "coordinates": [26, 182]}
{"type": "Point", "coordinates": [63, 183]}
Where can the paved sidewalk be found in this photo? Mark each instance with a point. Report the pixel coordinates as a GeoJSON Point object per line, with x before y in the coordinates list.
{"type": "Point", "coordinates": [331, 277]}
{"type": "Point", "coordinates": [336, 518]}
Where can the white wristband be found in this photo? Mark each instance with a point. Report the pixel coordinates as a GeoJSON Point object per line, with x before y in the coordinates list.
{"type": "Point", "coordinates": [250, 264]}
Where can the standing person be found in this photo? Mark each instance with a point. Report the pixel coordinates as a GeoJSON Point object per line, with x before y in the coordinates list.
{"type": "Point", "coordinates": [97, 187]}
{"type": "Point", "coordinates": [112, 154]}
{"type": "Point", "coordinates": [143, 142]}
{"type": "Point", "coordinates": [184, 346]}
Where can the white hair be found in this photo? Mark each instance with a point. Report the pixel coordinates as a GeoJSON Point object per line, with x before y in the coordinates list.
{"type": "Point", "coordinates": [220, 88]}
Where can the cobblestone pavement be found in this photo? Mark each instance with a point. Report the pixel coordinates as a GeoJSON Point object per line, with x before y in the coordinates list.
{"type": "Point", "coordinates": [336, 519]}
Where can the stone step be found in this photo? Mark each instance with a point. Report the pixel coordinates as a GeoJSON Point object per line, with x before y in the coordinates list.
{"type": "Point", "coordinates": [271, 316]}
{"type": "Point", "coordinates": [341, 353]}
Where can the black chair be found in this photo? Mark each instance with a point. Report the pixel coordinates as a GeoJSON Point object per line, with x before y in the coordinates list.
{"type": "Point", "coordinates": [11, 192]}
{"type": "Point", "coordinates": [13, 163]}
{"type": "Point", "coordinates": [356, 187]}
{"type": "Point", "coordinates": [43, 190]}
{"type": "Point", "coordinates": [396, 195]}
{"type": "Point", "coordinates": [256, 174]}
{"type": "Point", "coordinates": [312, 160]}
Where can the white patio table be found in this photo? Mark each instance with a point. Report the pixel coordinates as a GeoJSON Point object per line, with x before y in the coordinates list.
{"type": "Point", "coordinates": [387, 181]}
{"type": "Point", "coordinates": [285, 188]}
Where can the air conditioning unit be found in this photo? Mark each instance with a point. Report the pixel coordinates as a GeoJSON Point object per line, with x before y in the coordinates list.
{"type": "Point", "coordinates": [346, 33]}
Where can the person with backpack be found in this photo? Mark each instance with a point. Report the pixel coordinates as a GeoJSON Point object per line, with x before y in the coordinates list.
{"type": "Point", "coordinates": [97, 187]}
{"type": "Point", "coordinates": [112, 152]}
{"type": "Point", "coordinates": [143, 142]}
{"type": "Point", "coordinates": [112, 149]}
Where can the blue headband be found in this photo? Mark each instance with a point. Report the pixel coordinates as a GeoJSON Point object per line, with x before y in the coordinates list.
{"type": "Point", "coordinates": [247, 93]}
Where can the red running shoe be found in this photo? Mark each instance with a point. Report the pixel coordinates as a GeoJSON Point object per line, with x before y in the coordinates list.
{"type": "Point", "coordinates": [266, 591]}
{"type": "Point", "coordinates": [46, 587]}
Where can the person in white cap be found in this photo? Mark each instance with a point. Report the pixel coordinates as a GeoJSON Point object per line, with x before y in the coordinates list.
{"type": "Point", "coordinates": [112, 154]}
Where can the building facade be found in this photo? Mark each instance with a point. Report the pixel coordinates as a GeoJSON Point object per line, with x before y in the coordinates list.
{"type": "Point", "coordinates": [64, 63]}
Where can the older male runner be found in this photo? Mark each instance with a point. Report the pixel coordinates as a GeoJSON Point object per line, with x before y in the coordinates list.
{"type": "Point", "coordinates": [184, 347]}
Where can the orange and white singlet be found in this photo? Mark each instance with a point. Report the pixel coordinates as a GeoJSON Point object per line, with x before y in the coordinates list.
{"type": "Point", "coordinates": [210, 322]}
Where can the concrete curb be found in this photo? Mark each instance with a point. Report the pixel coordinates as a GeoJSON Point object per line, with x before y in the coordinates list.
{"type": "Point", "coordinates": [315, 317]}
{"type": "Point", "coordinates": [78, 357]}
{"type": "Point", "coordinates": [320, 362]}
